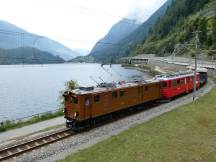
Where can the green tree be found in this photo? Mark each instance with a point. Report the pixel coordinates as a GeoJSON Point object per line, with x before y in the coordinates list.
{"type": "Point", "coordinates": [71, 85]}
{"type": "Point", "coordinates": [214, 31]}
{"type": "Point", "coordinates": [203, 24]}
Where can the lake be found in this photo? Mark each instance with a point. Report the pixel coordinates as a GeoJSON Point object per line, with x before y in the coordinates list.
{"type": "Point", "coordinates": [26, 90]}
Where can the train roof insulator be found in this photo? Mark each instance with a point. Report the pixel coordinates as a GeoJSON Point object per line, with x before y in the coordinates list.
{"type": "Point", "coordinates": [107, 85]}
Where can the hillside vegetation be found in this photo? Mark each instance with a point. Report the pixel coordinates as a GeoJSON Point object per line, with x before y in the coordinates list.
{"type": "Point", "coordinates": [181, 19]}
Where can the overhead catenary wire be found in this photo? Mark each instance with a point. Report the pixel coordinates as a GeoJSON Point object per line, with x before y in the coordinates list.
{"type": "Point", "coordinates": [88, 11]}
{"type": "Point", "coordinates": [25, 34]}
{"type": "Point", "coordinates": [35, 37]}
{"type": "Point", "coordinates": [22, 34]}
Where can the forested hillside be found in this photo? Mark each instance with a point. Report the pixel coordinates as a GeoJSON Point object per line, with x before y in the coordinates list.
{"type": "Point", "coordinates": [182, 18]}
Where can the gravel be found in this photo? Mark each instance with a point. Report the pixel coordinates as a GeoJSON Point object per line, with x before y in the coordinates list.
{"type": "Point", "coordinates": [61, 149]}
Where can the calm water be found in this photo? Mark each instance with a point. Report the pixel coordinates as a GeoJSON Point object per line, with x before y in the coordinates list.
{"type": "Point", "coordinates": [27, 90]}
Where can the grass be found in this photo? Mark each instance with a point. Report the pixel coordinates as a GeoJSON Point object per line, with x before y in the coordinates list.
{"type": "Point", "coordinates": [8, 125]}
{"type": "Point", "coordinates": [187, 134]}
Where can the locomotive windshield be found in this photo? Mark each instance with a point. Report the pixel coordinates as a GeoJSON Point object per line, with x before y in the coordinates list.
{"type": "Point", "coordinates": [74, 100]}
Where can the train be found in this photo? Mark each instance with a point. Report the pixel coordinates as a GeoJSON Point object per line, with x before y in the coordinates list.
{"type": "Point", "coordinates": [85, 106]}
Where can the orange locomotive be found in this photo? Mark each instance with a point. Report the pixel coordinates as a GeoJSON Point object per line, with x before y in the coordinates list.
{"type": "Point", "coordinates": [85, 106]}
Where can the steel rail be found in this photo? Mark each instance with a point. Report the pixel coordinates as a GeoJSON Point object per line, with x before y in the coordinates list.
{"type": "Point", "coordinates": [19, 149]}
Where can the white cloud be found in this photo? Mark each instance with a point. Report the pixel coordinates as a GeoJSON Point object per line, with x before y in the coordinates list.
{"type": "Point", "coordinates": [69, 22]}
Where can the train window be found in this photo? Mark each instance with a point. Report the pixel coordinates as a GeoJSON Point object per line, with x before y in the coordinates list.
{"type": "Point", "coordinates": [182, 81]}
{"type": "Point", "coordinates": [146, 88]}
{"type": "Point", "coordinates": [74, 100]}
{"type": "Point", "coordinates": [114, 95]}
{"type": "Point", "coordinates": [122, 93]}
{"type": "Point", "coordinates": [164, 84]}
{"type": "Point", "coordinates": [87, 102]}
{"type": "Point", "coordinates": [96, 98]}
{"type": "Point", "coordinates": [67, 99]}
{"type": "Point", "coordinates": [174, 83]}
{"type": "Point", "coordinates": [178, 81]}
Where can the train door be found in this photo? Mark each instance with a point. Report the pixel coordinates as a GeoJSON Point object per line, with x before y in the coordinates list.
{"type": "Point", "coordinates": [140, 94]}
{"type": "Point", "coordinates": [188, 82]}
{"type": "Point", "coordinates": [87, 107]}
{"type": "Point", "coordinates": [146, 93]}
{"type": "Point", "coordinates": [106, 103]}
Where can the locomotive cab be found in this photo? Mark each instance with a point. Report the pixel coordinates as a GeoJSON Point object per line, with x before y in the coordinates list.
{"type": "Point", "coordinates": [86, 106]}
{"type": "Point", "coordinates": [77, 107]}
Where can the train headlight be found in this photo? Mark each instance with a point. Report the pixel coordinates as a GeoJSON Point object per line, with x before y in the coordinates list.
{"type": "Point", "coordinates": [76, 114]}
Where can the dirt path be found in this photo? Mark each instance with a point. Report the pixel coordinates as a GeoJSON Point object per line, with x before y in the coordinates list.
{"type": "Point", "coordinates": [11, 135]}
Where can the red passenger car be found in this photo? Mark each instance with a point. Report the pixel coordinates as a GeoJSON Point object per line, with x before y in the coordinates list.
{"type": "Point", "coordinates": [174, 85]}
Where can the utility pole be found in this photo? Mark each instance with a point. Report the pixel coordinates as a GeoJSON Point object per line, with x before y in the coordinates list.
{"type": "Point", "coordinates": [196, 57]}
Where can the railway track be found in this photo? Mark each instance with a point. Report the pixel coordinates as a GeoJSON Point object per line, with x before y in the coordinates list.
{"type": "Point", "coordinates": [10, 152]}
{"type": "Point", "coordinates": [15, 150]}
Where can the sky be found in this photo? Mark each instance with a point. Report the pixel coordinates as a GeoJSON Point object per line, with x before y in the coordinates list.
{"type": "Point", "coordinates": [78, 24]}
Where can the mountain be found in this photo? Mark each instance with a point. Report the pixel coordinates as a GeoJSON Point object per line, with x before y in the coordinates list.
{"type": "Point", "coordinates": [27, 55]}
{"type": "Point", "coordinates": [115, 34]}
{"type": "Point", "coordinates": [124, 44]}
{"type": "Point", "coordinates": [182, 18]}
{"type": "Point", "coordinates": [15, 37]}
{"type": "Point", "coordinates": [141, 33]}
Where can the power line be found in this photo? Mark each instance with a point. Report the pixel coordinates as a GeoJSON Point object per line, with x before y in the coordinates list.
{"type": "Point", "coordinates": [22, 34]}
{"type": "Point", "coordinates": [93, 10]}
{"type": "Point", "coordinates": [37, 37]}
{"type": "Point", "coordinates": [89, 11]}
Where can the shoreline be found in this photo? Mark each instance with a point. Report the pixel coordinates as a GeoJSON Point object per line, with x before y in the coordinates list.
{"type": "Point", "coordinates": [150, 69]}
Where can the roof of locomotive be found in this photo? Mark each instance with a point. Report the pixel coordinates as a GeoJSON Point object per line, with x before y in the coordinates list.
{"type": "Point", "coordinates": [179, 75]}
{"type": "Point", "coordinates": [117, 87]}
{"type": "Point", "coordinates": [156, 79]}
